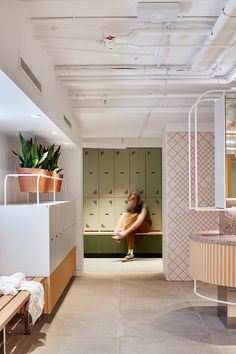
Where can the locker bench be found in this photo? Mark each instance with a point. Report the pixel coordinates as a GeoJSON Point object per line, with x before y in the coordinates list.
{"type": "Point", "coordinates": [10, 305]}
{"type": "Point", "coordinates": [100, 244]}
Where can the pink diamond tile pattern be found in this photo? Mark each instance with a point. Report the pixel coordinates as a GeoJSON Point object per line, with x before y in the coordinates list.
{"type": "Point", "coordinates": [180, 220]}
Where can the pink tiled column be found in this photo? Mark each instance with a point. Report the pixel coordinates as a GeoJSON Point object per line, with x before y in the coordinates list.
{"type": "Point", "coordinates": [180, 221]}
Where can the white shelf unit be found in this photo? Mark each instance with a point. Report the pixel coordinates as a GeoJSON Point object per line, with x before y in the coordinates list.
{"type": "Point", "coordinates": [35, 238]}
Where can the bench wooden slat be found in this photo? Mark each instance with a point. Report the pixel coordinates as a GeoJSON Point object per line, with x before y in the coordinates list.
{"type": "Point", "coordinates": [5, 299]}
{"type": "Point", "coordinates": [16, 303]}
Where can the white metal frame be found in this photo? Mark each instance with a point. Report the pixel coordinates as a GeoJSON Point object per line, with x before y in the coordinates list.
{"type": "Point", "coordinates": [210, 298]}
{"type": "Point", "coordinates": [194, 108]}
{"type": "Point", "coordinates": [16, 175]}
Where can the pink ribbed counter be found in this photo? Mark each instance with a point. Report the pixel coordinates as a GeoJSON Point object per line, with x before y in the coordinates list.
{"type": "Point", "coordinates": [213, 258]}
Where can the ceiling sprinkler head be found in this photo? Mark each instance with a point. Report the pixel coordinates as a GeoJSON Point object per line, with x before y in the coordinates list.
{"type": "Point", "coordinates": [109, 41]}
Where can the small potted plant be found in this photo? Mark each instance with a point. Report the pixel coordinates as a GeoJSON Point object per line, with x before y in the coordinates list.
{"type": "Point", "coordinates": [31, 160]}
{"type": "Point", "coordinates": [51, 163]}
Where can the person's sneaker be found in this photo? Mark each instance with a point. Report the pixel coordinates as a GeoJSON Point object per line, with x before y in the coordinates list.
{"type": "Point", "coordinates": [128, 257]}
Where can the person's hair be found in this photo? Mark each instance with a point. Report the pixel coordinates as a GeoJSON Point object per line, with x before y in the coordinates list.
{"type": "Point", "coordinates": [136, 195]}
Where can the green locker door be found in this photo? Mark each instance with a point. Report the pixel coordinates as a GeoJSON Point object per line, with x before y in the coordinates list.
{"type": "Point", "coordinates": [106, 244]}
{"type": "Point", "coordinates": [106, 173]}
{"type": "Point", "coordinates": [154, 207]}
{"type": "Point", "coordinates": [91, 219]}
{"type": "Point", "coordinates": [91, 244]}
{"type": "Point", "coordinates": [106, 208]}
{"type": "Point", "coordinates": [137, 170]}
{"type": "Point", "coordinates": [120, 206]}
{"type": "Point", "coordinates": [122, 173]}
{"type": "Point", "coordinates": [153, 172]}
{"type": "Point", "coordinates": [90, 173]}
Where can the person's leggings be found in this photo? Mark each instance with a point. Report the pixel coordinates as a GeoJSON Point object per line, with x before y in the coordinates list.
{"type": "Point", "coordinates": [127, 220]}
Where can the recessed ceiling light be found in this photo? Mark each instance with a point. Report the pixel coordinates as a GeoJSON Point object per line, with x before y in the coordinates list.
{"type": "Point", "coordinates": [66, 143]}
{"type": "Point", "coordinates": [35, 115]}
{"type": "Point", "coordinates": [54, 133]}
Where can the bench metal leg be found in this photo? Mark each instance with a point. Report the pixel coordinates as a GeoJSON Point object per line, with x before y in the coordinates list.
{"type": "Point", "coordinates": [27, 323]}
{"type": "Point", "coordinates": [3, 342]}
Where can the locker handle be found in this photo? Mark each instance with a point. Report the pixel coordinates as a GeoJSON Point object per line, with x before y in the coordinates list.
{"type": "Point", "coordinates": [153, 172]}
{"type": "Point", "coordinates": [95, 192]}
{"type": "Point", "coordinates": [137, 172]}
{"type": "Point", "coordinates": [121, 173]}
{"type": "Point", "coordinates": [87, 225]}
{"type": "Point", "coordinates": [102, 225]}
{"type": "Point", "coordinates": [153, 213]}
{"type": "Point", "coordinates": [110, 191]}
{"type": "Point", "coordinates": [106, 173]}
{"type": "Point", "coordinates": [106, 213]}
{"type": "Point", "coordinates": [91, 173]}
{"type": "Point", "coordinates": [126, 192]}
{"type": "Point", "coordinates": [91, 214]}
{"type": "Point", "coordinates": [141, 192]}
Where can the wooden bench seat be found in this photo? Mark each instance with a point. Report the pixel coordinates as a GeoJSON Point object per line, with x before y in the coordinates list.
{"type": "Point", "coordinates": [10, 305]}
{"type": "Point", "coordinates": [110, 233]}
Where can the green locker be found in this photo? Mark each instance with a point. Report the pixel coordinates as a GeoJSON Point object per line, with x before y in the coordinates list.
{"type": "Point", "coordinates": [120, 206]}
{"type": "Point", "coordinates": [106, 207]}
{"type": "Point", "coordinates": [106, 173]}
{"type": "Point", "coordinates": [91, 244]}
{"type": "Point", "coordinates": [122, 173]}
{"type": "Point", "coordinates": [148, 244]}
{"type": "Point", "coordinates": [155, 210]}
{"type": "Point", "coordinates": [106, 244]}
{"type": "Point", "coordinates": [153, 172]}
{"type": "Point", "coordinates": [121, 247]}
{"type": "Point", "coordinates": [137, 170]}
{"type": "Point", "coordinates": [90, 173]}
{"type": "Point", "coordinates": [91, 216]}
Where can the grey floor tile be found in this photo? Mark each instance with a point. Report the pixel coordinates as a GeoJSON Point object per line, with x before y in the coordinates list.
{"type": "Point", "coordinates": [164, 344]}
{"type": "Point", "coordinates": [179, 321]}
{"type": "Point", "coordinates": [76, 345]}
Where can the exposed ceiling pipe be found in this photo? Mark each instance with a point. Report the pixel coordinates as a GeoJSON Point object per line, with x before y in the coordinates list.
{"type": "Point", "coordinates": [215, 32]}
{"type": "Point", "coordinates": [158, 81]}
{"type": "Point", "coordinates": [136, 74]}
{"type": "Point", "coordinates": [181, 79]}
{"type": "Point", "coordinates": [82, 97]}
{"type": "Point", "coordinates": [156, 31]}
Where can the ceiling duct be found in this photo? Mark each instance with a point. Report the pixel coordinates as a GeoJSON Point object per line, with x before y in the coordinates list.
{"type": "Point", "coordinates": [158, 11]}
{"type": "Point", "coordinates": [30, 74]}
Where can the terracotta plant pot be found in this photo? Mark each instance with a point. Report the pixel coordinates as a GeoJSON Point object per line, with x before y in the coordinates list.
{"type": "Point", "coordinates": [29, 184]}
{"type": "Point", "coordinates": [58, 183]}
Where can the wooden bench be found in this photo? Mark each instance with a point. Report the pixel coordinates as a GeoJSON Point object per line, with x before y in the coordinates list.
{"type": "Point", "coordinates": [10, 305]}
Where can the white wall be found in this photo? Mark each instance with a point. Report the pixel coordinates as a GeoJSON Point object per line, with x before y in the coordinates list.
{"type": "Point", "coordinates": [8, 165]}
{"type": "Point", "coordinates": [18, 39]}
{"type": "Point", "coordinates": [72, 163]}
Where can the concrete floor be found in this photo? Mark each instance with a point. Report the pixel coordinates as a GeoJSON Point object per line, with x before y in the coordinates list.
{"type": "Point", "coordinates": [128, 308]}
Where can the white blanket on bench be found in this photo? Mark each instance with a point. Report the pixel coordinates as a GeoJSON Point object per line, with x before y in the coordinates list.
{"type": "Point", "coordinates": [15, 282]}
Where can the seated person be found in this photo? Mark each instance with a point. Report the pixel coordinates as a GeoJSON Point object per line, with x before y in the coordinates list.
{"type": "Point", "coordinates": [134, 219]}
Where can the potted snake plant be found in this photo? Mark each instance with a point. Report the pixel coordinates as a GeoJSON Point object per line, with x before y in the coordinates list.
{"type": "Point", "coordinates": [51, 164]}
{"type": "Point", "coordinates": [31, 161]}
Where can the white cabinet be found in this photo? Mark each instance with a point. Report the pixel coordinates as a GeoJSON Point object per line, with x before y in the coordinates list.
{"type": "Point", "coordinates": [35, 239]}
